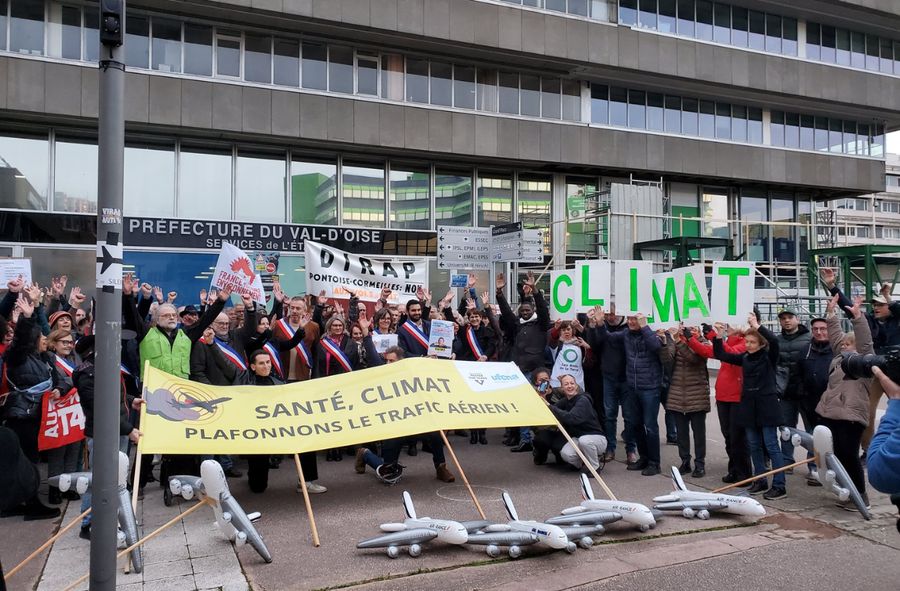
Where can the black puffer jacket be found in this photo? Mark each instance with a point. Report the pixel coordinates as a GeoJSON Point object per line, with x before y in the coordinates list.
{"type": "Point", "coordinates": [759, 402]}
{"type": "Point", "coordinates": [792, 348]}
{"type": "Point", "coordinates": [528, 339]}
{"type": "Point", "coordinates": [814, 370]}
{"type": "Point", "coordinates": [611, 352]}
{"type": "Point", "coordinates": [577, 415]}
{"type": "Point", "coordinates": [83, 378]}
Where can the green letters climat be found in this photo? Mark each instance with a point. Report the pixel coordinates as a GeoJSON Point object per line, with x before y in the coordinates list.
{"type": "Point", "coordinates": [667, 306]}
{"type": "Point", "coordinates": [633, 276]}
{"type": "Point", "coordinates": [733, 273]}
{"type": "Point", "coordinates": [586, 299]}
{"type": "Point", "coordinates": [693, 299]}
{"type": "Point", "coordinates": [563, 308]}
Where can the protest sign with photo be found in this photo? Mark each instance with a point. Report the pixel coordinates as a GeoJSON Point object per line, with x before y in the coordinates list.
{"type": "Point", "coordinates": [440, 339]}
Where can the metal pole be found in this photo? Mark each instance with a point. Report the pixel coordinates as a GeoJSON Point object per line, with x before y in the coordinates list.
{"type": "Point", "coordinates": [107, 328]}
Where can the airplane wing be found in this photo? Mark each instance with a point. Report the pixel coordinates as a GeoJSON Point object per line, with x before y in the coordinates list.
{"type": "Point", "coordinates": [508, 538]}
{"type": "Point", "coordinates": [476, 525]}
{"type": "Point", "coordinates": [680, 505]}
{"type": "Point", "coordinates": [402, 538]}
{"type": "Point", "coordinates": [585, 518]}
{"type": "Point", "coordinates": [574, 532]}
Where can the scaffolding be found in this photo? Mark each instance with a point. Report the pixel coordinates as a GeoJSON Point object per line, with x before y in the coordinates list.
{"type": "Point", "coordinates": [859, 267]}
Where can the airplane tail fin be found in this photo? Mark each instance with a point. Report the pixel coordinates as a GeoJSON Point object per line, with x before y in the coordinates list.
{"type": "Point", "coordinates": [510, 508]}
{"type": "Point", "coordinates": [587, 492]}
{"type": "Point", "coordinates": [677, 480]}
{"type": "Point", "coordinates": [408, 505]}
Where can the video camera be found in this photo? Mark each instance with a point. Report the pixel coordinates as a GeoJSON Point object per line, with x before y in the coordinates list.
{"type": "Point", "coordinates": [857, 365]}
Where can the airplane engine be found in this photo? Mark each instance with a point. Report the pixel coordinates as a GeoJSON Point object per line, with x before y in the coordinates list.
{"type": "Point", "coordinates": [240, 538]}
{"type": "Point", "coordinates": [586, 542]}
{"type": "Point", "coordinates": [688, 512]}
{"type": "Point", "coordinates": [415, 550]}
{"type": "Point", "coordinates": [65, 482]}
{"type": "Point", "coordinates": [175, 486]}
{"type": "Point", "coordinates": [842, 493]}
{"type": "Point", "coordinates": [82, 485]}
{"type": "Point", "coordinates": [703, 514]}
{"type": "Point", "coordinates": [795, 440]}
{"type": "Point", "coordinates": [515, 551]}
{"type": "Point", "coordinates": [393, 551]}
{"type": "Point", "coordinates": [644, 528]}
{"type": "Point", "coordinates": [571, 547]}
{"type": "Point", "coordinates": [226, 517]}
{"type": "Point", "coordinates": [830, 477]}
{"type": "Point", "coordinates": [493, 551]}
{"type": "Point", "coordinates": [187, 491]}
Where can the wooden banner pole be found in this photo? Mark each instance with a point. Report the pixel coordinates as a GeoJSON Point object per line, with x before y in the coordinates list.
{"type": "Point", "coordinates": [765, 475]}
{"type": "Point", "coordinates": [309, 511]}
{"type": "Point", "coordinates": [44, 546]}
{"type": "Point", "coordinates": [462, 473]}
{"type": "Point", "coordinates": [584, 459]}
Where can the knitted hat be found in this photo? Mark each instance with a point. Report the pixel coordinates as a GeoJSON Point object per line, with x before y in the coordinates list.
{"type": "Point", "coordinates": [57, 315]}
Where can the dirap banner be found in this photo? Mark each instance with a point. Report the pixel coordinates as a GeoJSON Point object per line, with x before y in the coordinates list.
{"type": "Point", "coordinates": [337, 273]}
{"type": "Point", "coordinates": [394, 400]}
{"type": "Point", "coordinates": [235, 269]}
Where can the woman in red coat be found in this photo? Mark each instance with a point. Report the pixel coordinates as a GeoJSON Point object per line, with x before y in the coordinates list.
{"type": "Point", "coordinates": [728, 396]}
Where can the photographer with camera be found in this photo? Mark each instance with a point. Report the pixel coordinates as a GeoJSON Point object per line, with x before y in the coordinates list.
{"type": "Point", "coordinates": [884, 451]}
{"type": "Point", "coordinates": [844, 407]}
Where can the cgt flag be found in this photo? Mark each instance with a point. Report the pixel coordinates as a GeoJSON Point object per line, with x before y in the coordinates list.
{"type": "Point", "coordinates": [234, 268]}
{"type": "Point", "coordinates": [395, 400]}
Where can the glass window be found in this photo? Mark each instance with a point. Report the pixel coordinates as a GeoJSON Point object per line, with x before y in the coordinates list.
{"type": "Point", "coordinates": [452, 198]}
{"type": "Point", "coordinates": [24, 172]}
{"type": "Point", "coordinates": [137, 42]}
{"type": "Point", "coordinates": [714, 213]}
{"type": "Point", "coordinates": [531, 95]}
{"type": "Point", "coordinates": [258, 58]}
{"type": "Point", "coordinates": [789, 36]}
{"type": "Point", "coordinates": [363, 190]}
{"type": "Point", "coordinates": [887, 56]}
{"type": "Point", "coordinates": [494, 200]}
{"type": "Point", "coordinates": [628, 12]}
{"type": "Point", "coordinates": [850, 137]}
{"type": "Point", "coordinates": [791, 130]}
{"type": "Point", "coordinates": [722, 23]}
{"type": "Point", "coordinates": [340, 69]}
{"type": "Point", "coordinates": [509, 93]}
{"type": "Point", "coordinates": [776, 128]}
{"type": "Point", "coordinates": [647, 15]}
{"type": "Point", "coordinates": [739, 123]}
{"type": "Point", "coordinates": [667, 13]}
{"type": "Point", "coordinates": [835, 135]}
{"type": "Point", "coordinates": [550, 98]}
{"type": "Point", "coordinates": [600, 10]}
{"type": "Point", "coordinates": [773, 33]}
{"type": "Point", "coordinates": [366, 74]}
{"type": "Point", "coordinates": [410, 201]}
{"type": "Point", "coordinates": [228, 53]}
{"type": "Point", "coordinates": [314, 67]}
{"type": "Point", "coordinates": [704, 20]}
{"type": "Point", "coordinates": [618, 106]}
{"type": "Point", "coordinates": [689, 116]}
{"type": "Point", "coordinates": [287, 62]}
{"type": "Point", "coordinates": [877, 148]}
{"type": "Point", "coordinates": [599, 104]}
{"type": "Point", "coordinates": [63, 31]}
{"type": "Point", "coordinates": [441, 84]}
{"type": "Point", "coordinates": [897, 57]}
{"type": "Point", "coordinates": [842, 43]}
{"type": "Point", "coordinates": [534, 201]}
{"type": "Point", "coordinates": [259, 188]}
{"type": "Point", "coordinates": [166, 45]}
{"type": "Point", "coordinates": [857, 50]}
{"type": "Point", "coordinates": [392, 77]}
{"type": "Point", "coordinates": [149, 181]}
{"type": "Point", "coordinates": [198, 53]}
{"type": "Point", "coordinates": [78, 264]}
{"type": "Point", "coordinates": [655, 112]}
{"type": "Point", "coordinates": [821, 133]}
{"type": "Point", "coordinates": [783, 242]}
{"type": "Point", "coordinates": [204, 185]}
{"type": "Point", "coordinates": [757, 37]}
{"type": "Point", "coordinates": [807, 132]}
{"type": "Point", "coordinates": [686, 18]}
{"type": "Point", "coordinates": [862, 139]}
{"type": "Point", "coordinates": [3, 24]}
{"type": "Point", "coordinates": [829, 44]}
{"type": "Point", "coordinates": [464, 87]}
{"type": "Point", "coordinates": [313, 191]}
{"type": "Point", "coordinates": [754, 125]}
{"type": "Point", "coordinates": [740, 26]}
{"type": "Point", "coordinates": [673, 114]}
{"type": "Point", "coordinates": [637, 109]}
{"type": "Point", "coordinates": [75, 176]}
{"type": "Point", "coordinates": [26, 29]}
{"type": "Point", "coordinates": [707, 119]}
{"type": "Point", "coordinates": [723, 121]}
{"type": "Point", "coordinates": [753, 209]}
{"type": "Point", "coordinates": [872, 52]}
{"type": "Point", "coordinates": [579, 7]}
{"type": "Point", "coordinates": [571, 97]}
{"type": "Point", "coordinates": [557, 5]}
{"type": "Point", "coordinates": [487, 90]}
{"type": "Point", "coordinates": [91, 43]}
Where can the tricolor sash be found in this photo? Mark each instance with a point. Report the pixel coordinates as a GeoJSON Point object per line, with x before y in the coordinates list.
{"type": "Point", "coordinates": [275, 357]}
{"type": "Point", "coordinates": [473, 343]}
{"type": "Point", "coordinates": [124, 370]}
{"type": "Point", "coordinates": [301, 349]}
{"type": "Point", "coordinates": [230, 354]}
{"type": "Point", "coordinates": [64, 366]}
{"type": "Point", "coordinates": [336, 352]}
{"type": "Point", "coordinates": [416, 333]}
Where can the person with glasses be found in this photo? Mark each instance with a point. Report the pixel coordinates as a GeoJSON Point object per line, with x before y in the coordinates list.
{"type": "Point", "coordinates": [61, 354]}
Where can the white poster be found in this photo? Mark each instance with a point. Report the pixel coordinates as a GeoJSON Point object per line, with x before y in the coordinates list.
{"type": "Point", "coordinates": [570, 361]}
{"type": "Point", "coordinates": [11, 269]}
{"type": "Point", "coordinates": [593, 284]}
{"type": "Point", "coordinates": [440, 339]}
{"type": "Point", "coordinates": [383, 342]}
{"type": "Point", "coordinates": [693, 299]}
{"type": "Point", "coordinates": [633, 287]}
{"type": "Point", "coordinates": [733, 284]}
{"type": "Point", "coordinates": [666, 311]}
{"type": "Point", "coordinates": [562, 294]}
{"type": "Point", "coordinates": [338, 273]}
{"type": "Point", "coordinates": [235, 269]}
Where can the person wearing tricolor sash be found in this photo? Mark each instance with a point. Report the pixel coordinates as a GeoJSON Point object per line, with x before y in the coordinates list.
{"type": "Point", "coordinates": [476, 342]}
{"type": "Point", "coordinates": [412, 334]}
{"type": "Point", "coordinates": [60, 347]}
{"type": "Point", "coordinates": [263, 338]}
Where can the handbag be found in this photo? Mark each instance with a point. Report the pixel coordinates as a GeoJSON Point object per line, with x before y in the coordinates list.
{"type": "Point", "coordinates": [26, 404]}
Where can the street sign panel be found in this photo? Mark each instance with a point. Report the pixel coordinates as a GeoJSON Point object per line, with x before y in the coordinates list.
{"type": "Point", "coordinates": [532, 246]}
{"type": "Point", "coordinates": [463, 247]}
{"type": "Point", "coordinates": [506, 244]}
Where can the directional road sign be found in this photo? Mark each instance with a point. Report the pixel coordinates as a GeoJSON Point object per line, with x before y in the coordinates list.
{"type": "Point", "coordinates": [463, 247]}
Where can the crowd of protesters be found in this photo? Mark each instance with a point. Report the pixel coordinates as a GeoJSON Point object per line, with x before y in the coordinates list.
{"type": "Point", "coordinates": [588, 369]}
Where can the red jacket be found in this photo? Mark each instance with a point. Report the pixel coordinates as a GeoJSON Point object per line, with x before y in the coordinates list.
{"type": "Point", "coordinates": [731, 377]}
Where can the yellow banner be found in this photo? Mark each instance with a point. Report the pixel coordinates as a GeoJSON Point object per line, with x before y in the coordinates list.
{"type": "Point", "coordinates": [395, 400]}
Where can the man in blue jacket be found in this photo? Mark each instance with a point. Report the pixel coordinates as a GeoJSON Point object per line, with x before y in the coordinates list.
{"type": "Point", "coordinates": [643, 375]}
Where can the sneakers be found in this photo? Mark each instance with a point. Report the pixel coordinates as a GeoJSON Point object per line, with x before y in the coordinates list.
{"type": "Point", "coordinates": [522, 447]}
{"type": "Point", "coordinates": [652, 469]}
{"type": "Point", "coordinates": [849, 505]}
{"type": "Point", "coordinates": [608, 456]}
{"type": "Point", "coordinates": [389, 473]}
{"type": "Point", "coordinates": [313, 488]}
{"type": "Point", "coordinates": [360, 464]}
{"type": "Point", "coordinates": [730, 478]}
{"type": "Point", "coordinates": [758, 487]}
{"type": "Point", "coordinates": [812, 479]}
{"type": "Point", "coordinates": [776, 492]}
{"type": "Point", "coordinates": [699, 472]}
{"type": "Point", "coordinates": [443, 474]}
{"type": "Point", "coordinates": [85, 533]}
{"type": "Point", "coordinates": [685, 467]}
{"type": "Point", "coordinates": [631, 458]}
{"type": "Point", "coordinates": [638, 464]}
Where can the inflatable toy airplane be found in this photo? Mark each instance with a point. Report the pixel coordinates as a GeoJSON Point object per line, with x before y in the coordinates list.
{"type": "Point", "coordinates": [415, 531]}
{"type": "Point", "coordinates": [701, 504]}
{"type": "Point", "coordinates": [81, 482]}
{"type": "Point", "coordinates": [517, 533]}
{"type": "Point", "coordinates": [232, 521]}
{"type": "Point", "coordinates": [593, 510]}
{"type": "Point", "coordinates": [832, 475]}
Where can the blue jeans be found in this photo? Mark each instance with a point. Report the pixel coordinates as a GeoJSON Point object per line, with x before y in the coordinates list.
{"type": "Point", "coordinates": [645, 409]}
{"type": "Point", "coordinates": [86, 497]}
{"type": "Point", "coordinates": [615, 394]}
{"type": "Point", "coordinates": [671, 427]}
{"type": "Point", "coordinates": [767, 437]}
{"type": "Point", "coordinates": [791, 413]}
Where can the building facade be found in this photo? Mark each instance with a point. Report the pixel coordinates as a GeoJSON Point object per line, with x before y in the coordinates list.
{"type": "Point", "coordinates": [368, 123]}
{"type": "Point", "coordinates": [869, 219]}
